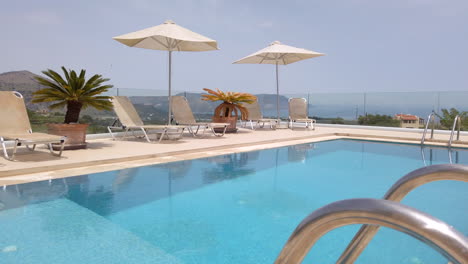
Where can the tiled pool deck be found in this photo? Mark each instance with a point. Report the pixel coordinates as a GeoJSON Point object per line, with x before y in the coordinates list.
{"type": "Point", "coordinates": [106, 154]}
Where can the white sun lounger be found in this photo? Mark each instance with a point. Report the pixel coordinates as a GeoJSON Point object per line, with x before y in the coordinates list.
{"type": "Point", "coordinates": [298, 113]}
{"type": "Point", "coordinates": [255, 117]}
{"type": "Point", "coordinates": [15, 126]}
{"type": "Point", "coordinates": [129, 119]}
{"type": "Point", "coordinates": [183, 115]}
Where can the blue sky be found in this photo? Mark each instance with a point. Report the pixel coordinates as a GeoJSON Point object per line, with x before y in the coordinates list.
{"type": "Point", "coordinates": [371, 45]}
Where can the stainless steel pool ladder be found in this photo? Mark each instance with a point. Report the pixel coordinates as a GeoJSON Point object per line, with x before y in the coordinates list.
{"type": "Point", "coordinates": [387, 212]}
{"type": "Point", "coordinates": [430, 120]}
{"type": "Point", "coordinates": [456, 121]}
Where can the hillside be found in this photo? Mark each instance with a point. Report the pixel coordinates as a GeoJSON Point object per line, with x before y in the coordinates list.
{"type": "Point", "coordinates": [18, 78]}
{"type": "Point", "coordinates": [150, 107]}
{"type": "Point", "coordinates": [23, 82]}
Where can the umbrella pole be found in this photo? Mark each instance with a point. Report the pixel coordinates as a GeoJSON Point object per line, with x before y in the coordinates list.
{"type": "Point", "coordinates": [277, 94]}
{"type": "Point", "coordinates": [169, 95]}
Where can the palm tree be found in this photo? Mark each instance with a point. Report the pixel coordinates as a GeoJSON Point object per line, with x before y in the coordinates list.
{"type": "Point", "coordinates": [72, 91]}
{"type": "Point", "coordinates": [231, 102]}
{"type": "Point", "coordinates": [448, 116]}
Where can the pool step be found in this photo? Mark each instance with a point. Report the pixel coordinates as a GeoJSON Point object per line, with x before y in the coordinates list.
{"type": "Point", "coordinates": [62, 231]}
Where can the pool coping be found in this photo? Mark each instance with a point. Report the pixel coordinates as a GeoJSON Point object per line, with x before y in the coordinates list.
{"type": "Point", "coordinates": [149, 156]}
{"type": "Point", "coordinates": [17, 176]}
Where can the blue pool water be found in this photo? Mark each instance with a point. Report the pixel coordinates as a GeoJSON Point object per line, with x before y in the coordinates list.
{"type": "Point", "coordinates": [238, 208]}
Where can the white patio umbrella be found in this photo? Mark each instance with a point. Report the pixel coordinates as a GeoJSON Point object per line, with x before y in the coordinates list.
{"type": "Point", "coordinates": [278, 54]}
{"type": "Point", "coordinates": [170, 37]}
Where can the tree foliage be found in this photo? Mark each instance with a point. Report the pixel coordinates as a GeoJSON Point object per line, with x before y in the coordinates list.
{"type": "Point", "coordinates": [73, 91]}
{"type": "Point", "coordinates": [378, 120]}
{"type": "Point", "coordinates": [337, 120]}
{"type": "Point", "coordinates": [448, 116]}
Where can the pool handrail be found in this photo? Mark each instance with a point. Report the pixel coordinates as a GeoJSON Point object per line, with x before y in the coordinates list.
{"type": "Point", "coordinates": [428, 229]}
{"type": "Point", "coordinates": [456, 121]}
{"type": "Point", "coordinates": [430, 120]}
{"type": "Point", "coordinates": [396, 193]}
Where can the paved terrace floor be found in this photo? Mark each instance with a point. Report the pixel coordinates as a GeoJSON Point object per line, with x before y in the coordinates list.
{"type": "Point", "coordinates": [106, 154]}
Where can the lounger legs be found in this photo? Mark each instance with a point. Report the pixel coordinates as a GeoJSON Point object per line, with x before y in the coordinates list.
{"type": "Point", "coordinates": [146, 135]}
{"type": "Point", "coordinates": [195, 133]}
{"type": "Point", "coordinates": [163, 134]}
{"type": "Point", "coordinates": [212, 129]}
{"type": "Point", "coordinates": [273, 126]}
{"type": "Point", "coordinates": [190, 130]}
{"type": "Point", "coordinates": [309, 124]}
{"type": "Point", "coordinates": [218, 134]}
{"type": "Point", "coordinates": [110, 132]}
{"type": "Point", "coordinates": [59, 152]}
{"type": "Point", "coordinates": [17, 143]}
{"type": "Point", "coordinates": [31, 149]}
{"type": "Point", "coordinates": [8, 157]}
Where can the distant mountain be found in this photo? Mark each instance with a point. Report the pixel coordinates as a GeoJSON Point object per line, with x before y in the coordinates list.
{"type": "Point", "coordinates": [18, 78]}
{"type": "Point", "coordinates": [198, 106]}
{"type": "Point", "coordinates": [153, 108]}
{"type": "Point", "coordinates": [23, 82]}
{"type": "Point", "coordinates": [161, 102]}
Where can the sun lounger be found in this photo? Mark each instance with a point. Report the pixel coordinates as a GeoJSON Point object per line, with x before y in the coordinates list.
{"type": "Point", "coordinates": [15, 126]}
{"type": "Point", "coordinates": [129, 120]}
{"type": "Point", "coordinates": [183, 115]}
{"type": "Point", "coordinates": [298, 113]}
{"type": "Point", "coordinates": [255, 116]}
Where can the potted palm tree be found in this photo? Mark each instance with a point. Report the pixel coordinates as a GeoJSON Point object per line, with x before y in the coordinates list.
{"type": "Point", "coordinates": [230, 108]}
{"type": "Point", "coordinates": [74, 92]}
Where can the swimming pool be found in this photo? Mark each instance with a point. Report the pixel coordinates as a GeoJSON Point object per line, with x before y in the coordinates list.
{"type": "Point", "coordinates": [238, 208]}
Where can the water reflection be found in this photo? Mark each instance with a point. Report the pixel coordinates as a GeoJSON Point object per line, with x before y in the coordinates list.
{"type": "Point", "coordinates": [453, 155]}
{"type": "Point", "coordinates": [13, 196]}
{"type": "Point", "coordinates": [111, 192]}
{"type": "Point", "coordinates": [299, 153]}
{"type": "Point", "coordinates": [98, 198]}
{"type": "Point", "coordinates": [230, 166]}
{"type": "Point", "coordinates": [456, 161]}
{"type": "Point", "coordinates": [124, 179]}
{"type": "Point", "coordinates": [178, 169]}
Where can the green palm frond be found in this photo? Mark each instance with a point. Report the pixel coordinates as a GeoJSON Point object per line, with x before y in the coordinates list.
{"type": "Point", "coordinates": [58, 105]}
{"type": "Point", "coordinates": [72, 88]}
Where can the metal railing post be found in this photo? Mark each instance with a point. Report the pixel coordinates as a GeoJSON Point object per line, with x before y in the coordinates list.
{"type": "Point", "coordinates": [456, 121]}
{"type": "Point", "coordinates": [430, 120]}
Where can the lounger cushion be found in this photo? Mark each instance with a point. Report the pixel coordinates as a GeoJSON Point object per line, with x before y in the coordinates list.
{"type": "Point", "coordinates": [32, 137]}
{"type": "Point", "coordinates": [208, 124]}
{"type": "Point", "coordinates": [298, 109]}
{"type": "Point", "coordinates": [218, 124]}
{"type": "Point", "coordinates": [13, 116]}
{"type": "Point", "coordinates": [152, 127]}
{"type": "Point", "coordinates": [126, 112]}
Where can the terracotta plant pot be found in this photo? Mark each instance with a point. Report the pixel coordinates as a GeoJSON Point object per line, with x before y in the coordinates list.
{"type": "Point", "coordinates": [75, 133]}
{"type": "Point", "coordinates": [232, 120]}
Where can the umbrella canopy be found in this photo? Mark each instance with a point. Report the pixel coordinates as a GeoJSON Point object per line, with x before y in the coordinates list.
{"type": "Point", "coordinates": [171, 37]}
{"type": "Point", "coordinates": [278, 54]}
